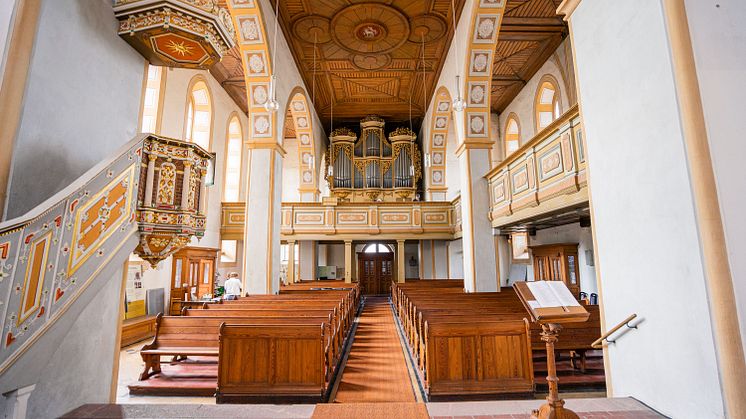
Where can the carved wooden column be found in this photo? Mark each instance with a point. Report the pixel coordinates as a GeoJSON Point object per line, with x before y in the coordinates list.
{"type": "Point", "coordinates": [554, 407]}
{"type": "Point", "coordinates": [348, 261]}
{"type": "Point", "coordinates": [149, 180]}
{"type": "Point", "coordinates": [185, 186]}
{"type": "Point", "coordinates": [291, 278]}
{"type": "Point", "coordinates": [401, 273]}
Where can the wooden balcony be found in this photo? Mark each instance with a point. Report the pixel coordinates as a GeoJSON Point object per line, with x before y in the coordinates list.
{"type": "Point", "coordinates": [355, 221]}
{"type": "Point", "coordinates": [546, 174]}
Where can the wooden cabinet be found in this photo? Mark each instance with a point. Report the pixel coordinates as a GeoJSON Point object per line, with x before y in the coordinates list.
{"type": "Point", "coordinates": [557, 262]}
{"type": "Point", "coordinates": [192, 275]}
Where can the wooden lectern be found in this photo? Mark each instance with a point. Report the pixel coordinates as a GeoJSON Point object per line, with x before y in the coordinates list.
{"type": "Point", "coordinates": [550, 303]}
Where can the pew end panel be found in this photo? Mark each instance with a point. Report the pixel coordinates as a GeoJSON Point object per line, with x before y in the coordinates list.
{"type": "Point", "coordinates": [272, 364]}
{"type": "Point", "coordinates": [479, 359]}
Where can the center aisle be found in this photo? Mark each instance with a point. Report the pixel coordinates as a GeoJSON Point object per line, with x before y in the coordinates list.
{"type": "Point", "coordinates": [376, 370]}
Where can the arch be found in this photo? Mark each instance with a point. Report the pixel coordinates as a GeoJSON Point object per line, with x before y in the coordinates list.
{"type": "Point", "coordinates": [377, 248]}
{"type": "Point", "coordinates": [258, 69]}
{"type": "Point", "coordinates": [547, 104]}
{"type": "Point", "coordinates": [482, 41]}
{"type": "Point", "coordinates": [199, 116]}
{"type": "Point", "coordinates": [233, 166]}
{"type": "Point", "coordinates": [302, 120]}
{"type": "Point", "coordinates": [512, 134]}
{"type": "Point", "coordinates": [437, 143]}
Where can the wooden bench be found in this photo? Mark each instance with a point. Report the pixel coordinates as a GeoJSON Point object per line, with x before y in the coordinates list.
{"type": "Point", "coordinates": [180, 337]}
{"type": "Point", "coordinates": [271, 364]}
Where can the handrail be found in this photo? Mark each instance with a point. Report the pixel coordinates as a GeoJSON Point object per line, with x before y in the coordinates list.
{"type": "Point", "coordinates": [597, 343]}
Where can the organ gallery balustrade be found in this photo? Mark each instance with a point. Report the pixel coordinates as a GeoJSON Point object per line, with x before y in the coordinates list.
{"type": "Point", "coordinates": [545, 174]}
{"type": "Point", "coordinates": [385, 220]}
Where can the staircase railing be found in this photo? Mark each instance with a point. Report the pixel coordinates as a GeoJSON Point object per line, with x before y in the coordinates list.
{"type": "Point", "coordinates": [49, 256]}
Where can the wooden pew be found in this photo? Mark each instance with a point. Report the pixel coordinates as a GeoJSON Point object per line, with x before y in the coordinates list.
{"type": "Point", "coordinates": [271, 364]}
{"type": "Point", "coordinates": [478, 358]}
{"type": "Point", "coordinates": [180, 336]}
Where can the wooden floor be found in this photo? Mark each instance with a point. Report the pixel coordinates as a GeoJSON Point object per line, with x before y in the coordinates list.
{"type": "Point", "coordinates": [376, 370]}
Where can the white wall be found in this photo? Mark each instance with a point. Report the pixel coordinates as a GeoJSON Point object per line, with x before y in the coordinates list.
{"type": "Point", "coordinates": [81, 103]}
{"type": "Point", "coordinates": [290, 174]}
{"type": "Point", "coordinates": [571, 233]}
{"type": "Point", "coordinates": [456, 259]}
{"type": "Point", "coordinates": [648, 252]}
{"type": "Point", "coordinates": [523, 104]}
{"type": "Point", "coordinates": [718, 38]}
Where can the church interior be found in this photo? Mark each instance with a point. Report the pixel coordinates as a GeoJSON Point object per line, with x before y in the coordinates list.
{"type": "Point", "coordinates": [372, 209]}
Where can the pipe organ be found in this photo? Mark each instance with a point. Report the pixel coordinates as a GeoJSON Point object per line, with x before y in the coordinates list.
{"type": "Point", "coordinates": [373, 167]}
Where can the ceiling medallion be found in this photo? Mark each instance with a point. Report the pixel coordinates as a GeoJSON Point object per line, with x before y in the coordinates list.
{"type": "Point", "coordinates": [370, 31]}
{"type": "Point", "coordinates": [371, 62]}
{"type": "Point", "coordinates": [312, 27]}
{"type": "Point", "coordinates": [427, 26]}
{"type": "Point", "coordinates": [360, 28]}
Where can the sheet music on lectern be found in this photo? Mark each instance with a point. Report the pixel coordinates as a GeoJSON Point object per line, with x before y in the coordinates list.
{"type": "Point", "coordinates": [551, 294]}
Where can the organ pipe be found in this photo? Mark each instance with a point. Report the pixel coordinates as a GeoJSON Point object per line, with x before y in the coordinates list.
{"type": "Point", "coordinates": [372, 166]}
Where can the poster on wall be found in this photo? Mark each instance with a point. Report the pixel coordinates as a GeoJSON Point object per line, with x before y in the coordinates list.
{"type": "Point", "coordinates": [519, 243]}
{"type": "Point", "coordinates": [134, 291]}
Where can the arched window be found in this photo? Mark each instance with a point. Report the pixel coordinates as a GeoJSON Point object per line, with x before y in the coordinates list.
{"type": "Point", "coordinates": [547, 105]}
{"type": "Point", "coordinates": [233, 154]}
{"type": "Point", "coordinates": [512, 135]}
{"type": "Point", "coordinates": [199, 115]}
{"type": "Point", "coordinates": [151, 102]}
{"type": "Point", "coordinates": [377, 248]}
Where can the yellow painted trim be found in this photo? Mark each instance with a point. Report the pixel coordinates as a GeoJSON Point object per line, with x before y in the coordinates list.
{"type": "Point", "coordinates": [473, 144]}
{"type": "Point", "coordinates": [21, 39]}
{"type": "Point", "coordinates": [567, 7]}
{"type": "Point", "coordinates": [718, 278]}
{"type": "Point", "coordinates": [118, 339]}
{"type": "Point", "coordinates": [266, 145]}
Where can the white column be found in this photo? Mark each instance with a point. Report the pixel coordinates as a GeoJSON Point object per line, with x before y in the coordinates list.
{"type": "Point", "coordinates": [480, 273]}
{"type": "Point", "coordinates": [644, 204]}
{"type": "Point", "coordinates": [16, 403]}
{"type": "Point", "coordinates": [262, 231]}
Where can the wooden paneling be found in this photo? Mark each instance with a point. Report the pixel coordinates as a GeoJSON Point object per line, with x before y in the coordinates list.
{"type": "Point", "coordinates": [368, 56]}
{"type": "Point", "coordinates": [136, 330]}
{"type": "Point", "coordinates": [551, 165]}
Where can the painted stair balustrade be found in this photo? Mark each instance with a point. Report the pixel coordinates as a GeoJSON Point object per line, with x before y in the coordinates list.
{"type": "Point", "coordinates": [152, 188]}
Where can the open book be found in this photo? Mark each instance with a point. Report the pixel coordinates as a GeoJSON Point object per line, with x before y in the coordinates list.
{"type": "Point", "coordinates": [550, 301]}
{"type": "Point", "coordinates": [550, 294]}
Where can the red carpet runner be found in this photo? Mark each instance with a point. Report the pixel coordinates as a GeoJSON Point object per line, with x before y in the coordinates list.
{"type": "Point", "coordinates": [376, 370]}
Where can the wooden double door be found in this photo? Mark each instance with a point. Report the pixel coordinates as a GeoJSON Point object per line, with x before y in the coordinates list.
{"type": "Point", "coordinates": [375, 272]}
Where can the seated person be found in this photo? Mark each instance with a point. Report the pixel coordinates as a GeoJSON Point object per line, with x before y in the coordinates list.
{"type": "Point", "coordinates": [232, 286]}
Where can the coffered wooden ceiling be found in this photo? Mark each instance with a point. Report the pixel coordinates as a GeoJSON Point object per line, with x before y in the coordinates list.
{"type": "Point", "coordinates": [369, 55]}
{"type": "Point", "coordinates": [531, 31]}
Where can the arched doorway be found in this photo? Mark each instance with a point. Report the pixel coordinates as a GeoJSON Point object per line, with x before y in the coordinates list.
{"type": "Point", "coordinates": [375, 268]}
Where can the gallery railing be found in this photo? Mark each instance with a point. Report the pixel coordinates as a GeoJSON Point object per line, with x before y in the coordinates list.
{"type": "Point", "coordinates": [549, 166]}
